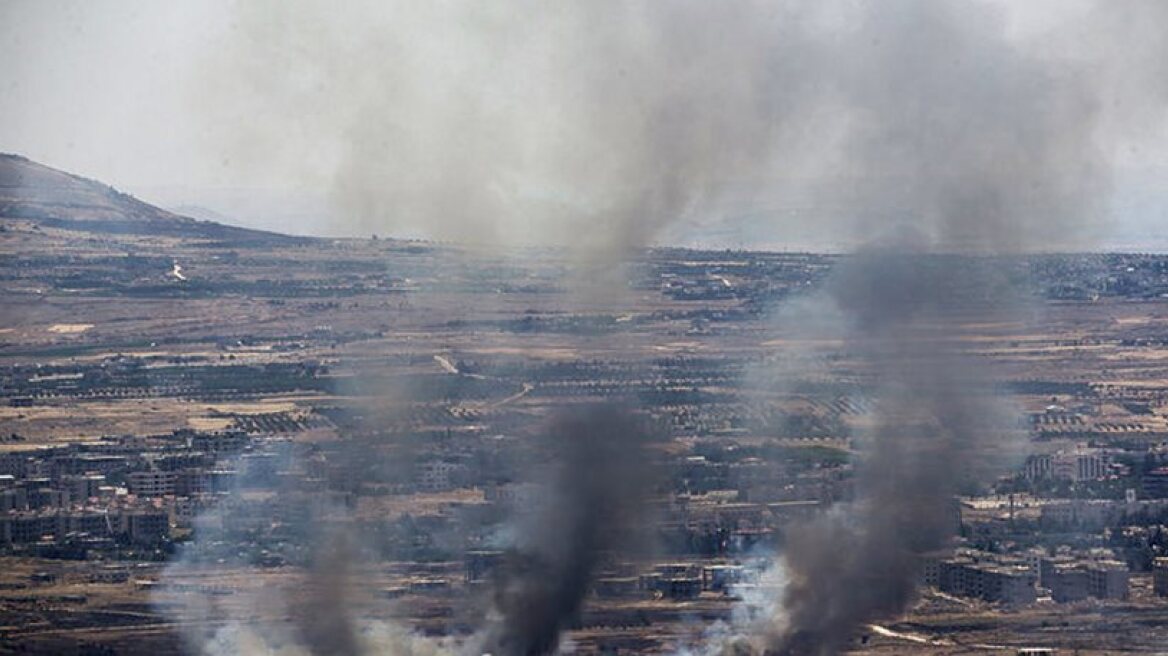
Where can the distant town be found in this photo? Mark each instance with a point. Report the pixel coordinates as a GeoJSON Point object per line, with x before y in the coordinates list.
{"type": "Point", "coordinates": [193, 414]}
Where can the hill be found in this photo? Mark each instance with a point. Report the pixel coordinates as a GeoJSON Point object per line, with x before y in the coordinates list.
{"type": "Point", "coordinates": [51, 198]}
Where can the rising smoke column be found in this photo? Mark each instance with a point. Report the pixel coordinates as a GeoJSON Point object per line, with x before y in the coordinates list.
{"type": "Point", "coordinates": [593, 499]}
{"type": "Point", "coordinates": [601, 124]}
{"type": "Point", "coordinates": [316, 614]}
{"type": "Point", "coordinates": [973, 145]}
{"type": "Point", "coordinates": [937, 425]}
{"type": "Point", "coordinates": [589, 124]}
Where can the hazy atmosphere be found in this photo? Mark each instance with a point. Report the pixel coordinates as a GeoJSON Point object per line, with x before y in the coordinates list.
{"type": "Point", "coordinates": [742, 123]}
{"type": "Point", "coordinates": [452, 328]}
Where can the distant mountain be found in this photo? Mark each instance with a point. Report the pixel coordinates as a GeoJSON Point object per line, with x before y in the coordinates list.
{"type": "Point", "coordinates": [33, 192]}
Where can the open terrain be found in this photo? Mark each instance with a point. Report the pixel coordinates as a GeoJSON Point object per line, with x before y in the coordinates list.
{"type": "Point", "coordinates": [407, 383]}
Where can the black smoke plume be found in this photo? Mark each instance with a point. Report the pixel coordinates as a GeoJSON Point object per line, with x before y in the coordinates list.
{"type": "Point", "coordinates": [592, 500]}
{"type": "Point", "coordinates": [938, 425]}
{"type": "Point", "coordinates": [601, 125]}
{"type": "Point", "coordinates": [978, 146]}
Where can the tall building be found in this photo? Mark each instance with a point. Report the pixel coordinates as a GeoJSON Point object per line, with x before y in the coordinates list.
{"type": "Point", "coordinates": [1155, 484]}
{"type": "Point", "coordinates": [152, 483]}
{"type": "Point", "coordinates": [1160, 577]}
{"type": "Point", "coordinates": [1080, 464]}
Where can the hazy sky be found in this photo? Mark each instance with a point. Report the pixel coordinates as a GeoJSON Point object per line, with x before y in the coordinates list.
{"type": "Point", "coordinates": [160, 99]}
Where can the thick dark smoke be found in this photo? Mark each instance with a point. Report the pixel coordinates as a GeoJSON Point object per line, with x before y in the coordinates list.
{"type": "Point", "coordinates": [978, 146]}
{"type": "Point", "coordinates": [937, 425]}
{"type": "Point", "coordinates": [928, 125]}
{"type": "Point", "coordinates": [594, 496]}
{"type": "Point", "coordinates": [329, 626]}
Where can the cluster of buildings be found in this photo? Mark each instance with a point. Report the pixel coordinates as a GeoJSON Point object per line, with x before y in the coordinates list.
{"type": "Point", "coordinates": [1071, 577]}
{"type": "Point", "coordinates": [121, 492]}
{"type": "Point", "coordinates": [1079, 464]}
{"type": "Point", "coordinates": [1018, 579]}
{"type": "Point", "coordinates": [676, 581]}
{"type": "Point", "coordinates": [982, 577]}
{"type": "Point", "coordinates": [1094, 514]}
{"type": "Point", "coordinates": [86, 528]}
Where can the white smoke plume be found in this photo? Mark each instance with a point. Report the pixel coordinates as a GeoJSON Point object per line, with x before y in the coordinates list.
{"type": "Point", "coordinates": [223, 601]}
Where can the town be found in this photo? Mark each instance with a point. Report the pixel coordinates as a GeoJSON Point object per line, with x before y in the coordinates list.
{"type": "Point", "coordinates": [195, 415]}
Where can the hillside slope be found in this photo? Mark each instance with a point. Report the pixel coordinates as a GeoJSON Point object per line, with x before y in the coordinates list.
{"type": "Point", "coordinates": [33, 192]}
